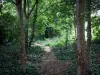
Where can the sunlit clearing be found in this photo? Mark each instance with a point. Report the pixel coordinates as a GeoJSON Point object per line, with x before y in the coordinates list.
{"type": "Point", "coordinates": [47, 49]}
{"type": "Point", "coordinates": [98, 12]}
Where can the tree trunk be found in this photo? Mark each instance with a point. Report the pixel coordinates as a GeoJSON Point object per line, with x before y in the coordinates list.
{"type": "Point", "coordinates": [74, 16]}
{"type": "Point", "coordinates": [88, 56]}
{"type": "Point", "coordinates": [26, 22]}
{"type": "Point", "coordinates": [26, 33]}
{"type": "Point", "coordinates": [23, 50]}
{"type": "Point", "coordinates": [34, 21]}
{"type": "Point", "coordinates": [80, 36]}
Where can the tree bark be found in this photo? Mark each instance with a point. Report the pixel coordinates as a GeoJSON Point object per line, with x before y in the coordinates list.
{"type": "Point", "coordinates": [26, 33]}
{"type": "Point", "coordinates": [88, 52]}
{"type": "Point", "coordinates": [80, 36]}
{"type": "Point", "coordinates": [34, 21]}
{"type": "Point", "coordinates": [27, 13]}
{"type": "Point", "coordinates": [23, 50]}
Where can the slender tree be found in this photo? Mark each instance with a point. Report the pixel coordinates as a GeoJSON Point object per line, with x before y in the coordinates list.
{"type": "Point", "coordinates": [88, 52]}
{"type": "Point", "coordinates": [34, 22]}
{"type": "Point", "coordinates": [24, 28]}
{"type": "Point", "coordinates": [23, 50]}
{"type": "Point", "coordinates": [80, 36]}
{"type": "Point", "coordinates": [27, 13]}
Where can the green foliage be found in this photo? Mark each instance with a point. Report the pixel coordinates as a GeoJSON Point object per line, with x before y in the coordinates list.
{"type": "Point", "coordinates": [9, 60]}
{"type": "Point", "coordinates": [96, 27]}
{"type": "Point", "coordinates": [55, 41]}
{"type": "Point", "coordinates": [35, 55]}
{"type": "Point", "coordinates": [95, 67]}
{"type": "Point", "coordinates": [58, 14]}
{"type": "Point", "coordinates": [67, 54]}
{"type": "Point", "coordinates": [49, 17]}
{"type": "Point", "coordinates": [8, 27]}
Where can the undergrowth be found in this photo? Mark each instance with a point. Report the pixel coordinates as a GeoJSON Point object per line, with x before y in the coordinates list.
{"type": "Point", "coordinates": [10, 65]}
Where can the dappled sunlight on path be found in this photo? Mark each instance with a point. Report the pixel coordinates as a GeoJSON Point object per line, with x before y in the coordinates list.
{"type": "Point", "coordinates": [50, 65]}
{"type": "Point", "coordinates": [47, 49]}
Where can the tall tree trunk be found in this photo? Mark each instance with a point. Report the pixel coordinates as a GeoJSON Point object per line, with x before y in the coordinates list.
{"type": "Point", "coordinates": [26, 33]}
{"type": "Point", "coordinates": [88, 52]}
{"type": "Point", "coordinates": [26, 22]}
{"type": "Point", "coordinates": [80, 36]}
{"type": "Point", "coordinates": [27, 13]}
{"type": "Point", "coordinates": [23, 50]}
{"type": "Point", "coordinates": [34, 21]}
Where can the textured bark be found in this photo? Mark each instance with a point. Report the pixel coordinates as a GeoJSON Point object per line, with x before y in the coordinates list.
{"type": "Point", "coordinates": [80, 36]}
{"type": "Point", "coordinates": [23, 50]}
{"type": "Point", "coordinates": [88, 56]}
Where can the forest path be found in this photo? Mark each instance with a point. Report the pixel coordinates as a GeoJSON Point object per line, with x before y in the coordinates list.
{"type": "Point", "coordinates": [50, 65]}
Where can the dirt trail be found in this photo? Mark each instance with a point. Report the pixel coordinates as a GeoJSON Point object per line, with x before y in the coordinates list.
{"type": "Point", "coordinates": [50, 65]}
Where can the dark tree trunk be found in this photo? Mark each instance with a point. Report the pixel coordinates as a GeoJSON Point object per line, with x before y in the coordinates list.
{"type": "Point", "coordinates": [26, 33]}
{"type": "Point", "coordinates": [80, 36]}
{"type": "Point", "coordinates": [26, 12]}
{"type": "Point", "coordinates": [34, 22]}
{"type": "Point", "coordinates": [88, 56]}
{"type": "Point", "coordinates": [23, 50]}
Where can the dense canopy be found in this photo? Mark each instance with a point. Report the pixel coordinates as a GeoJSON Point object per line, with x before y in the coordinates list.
{"type": "Point", "coordinates": [50, 37]}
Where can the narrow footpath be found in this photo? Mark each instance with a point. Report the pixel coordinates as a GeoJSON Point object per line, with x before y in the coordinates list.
{"type": "Point", "coordinates": [50, 65]}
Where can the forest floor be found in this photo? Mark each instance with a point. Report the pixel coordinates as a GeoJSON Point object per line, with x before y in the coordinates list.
{"type": "Point", "coordinates": [50, 64]}
{"type": "Point", "coordinates": [56, 59]}
{"type": "Point", "coordinates": [43, 58]}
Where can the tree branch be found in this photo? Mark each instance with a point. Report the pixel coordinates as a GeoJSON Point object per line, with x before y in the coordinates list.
{"type": "Point", "coordinates": [13, 2]}
{"type": "Point", "coordinates": [28, 5]}
{"type": "Point", "coordinates": [25, 8]}
{"type": "Point", "coordinates": [34, 22]}
{"type": "Point", "coordinates": [32, 9]}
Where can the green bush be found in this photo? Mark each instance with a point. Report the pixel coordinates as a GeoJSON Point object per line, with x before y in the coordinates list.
{"type": "Point", "coordinates": [8, 28]}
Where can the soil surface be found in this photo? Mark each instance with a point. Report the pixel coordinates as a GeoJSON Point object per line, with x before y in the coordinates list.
{"type": "Point", "coordinates": [50, 65]}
